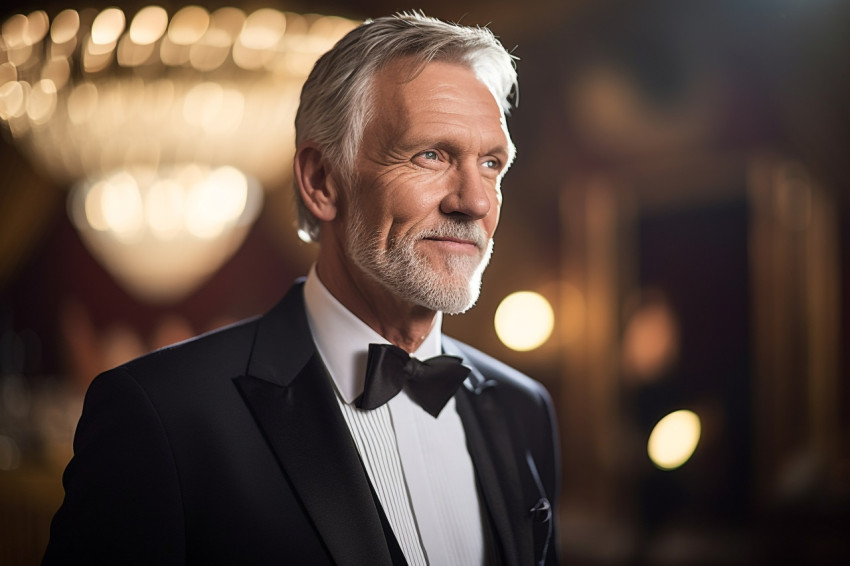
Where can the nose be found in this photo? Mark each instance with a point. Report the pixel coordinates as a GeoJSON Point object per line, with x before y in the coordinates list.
{"type": "Point", "coordinates": [470, 194]}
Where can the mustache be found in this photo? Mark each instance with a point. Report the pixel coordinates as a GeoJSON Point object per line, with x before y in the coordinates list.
{"type": "Point", "coordinates": [458, 230]}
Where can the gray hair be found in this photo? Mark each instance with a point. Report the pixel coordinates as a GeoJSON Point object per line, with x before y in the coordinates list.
{"type": "Point", "coordinates": [335, 100]}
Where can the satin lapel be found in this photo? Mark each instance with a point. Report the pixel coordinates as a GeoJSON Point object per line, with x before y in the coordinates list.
{"type": "Point", "coordinates": [496, 470]}
{"type": "Point", "coordinates": [294, 406]}
{"type": "Point", "coordinates": [494, 455]}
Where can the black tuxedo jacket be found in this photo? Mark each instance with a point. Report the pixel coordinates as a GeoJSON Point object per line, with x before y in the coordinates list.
{"type": "Point", "coordinates": [231, 449]}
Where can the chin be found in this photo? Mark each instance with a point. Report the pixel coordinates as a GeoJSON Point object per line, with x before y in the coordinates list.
{"type": "Point", "coordinates": [455, 295]}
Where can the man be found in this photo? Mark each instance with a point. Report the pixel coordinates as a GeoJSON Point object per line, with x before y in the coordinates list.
{"type": "Point", "coordinates": [261, 443]}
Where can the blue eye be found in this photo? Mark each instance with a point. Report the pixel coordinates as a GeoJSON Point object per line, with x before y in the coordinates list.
{"type": "Point", "coordinates": [430, 154]}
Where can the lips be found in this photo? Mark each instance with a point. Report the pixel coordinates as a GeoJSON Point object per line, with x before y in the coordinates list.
{"type": "Point", "coordinates": [454, 241]}
{"type": "Point", "coordinates": [460, 234]}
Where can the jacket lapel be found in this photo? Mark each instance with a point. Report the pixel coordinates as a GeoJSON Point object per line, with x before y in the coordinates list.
{"type": "Point", "coordinates": [494, 456]}
{"type": "Point", "coordinates": [290, 395]}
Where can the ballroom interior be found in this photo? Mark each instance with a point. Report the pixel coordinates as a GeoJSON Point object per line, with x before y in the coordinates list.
{"type": "Point", "coordinates": [672, 260]}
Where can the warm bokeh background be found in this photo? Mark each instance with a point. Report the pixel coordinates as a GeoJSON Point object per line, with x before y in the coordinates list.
{"type": "Point", "coordinates": [680, 198]}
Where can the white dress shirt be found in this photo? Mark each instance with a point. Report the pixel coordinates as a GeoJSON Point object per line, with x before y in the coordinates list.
{"type": "Point", "coordinates": [418, 465]}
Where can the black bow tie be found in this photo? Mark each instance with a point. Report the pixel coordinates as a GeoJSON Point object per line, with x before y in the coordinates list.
{"type": "Point", "coordinates": [430, 383]}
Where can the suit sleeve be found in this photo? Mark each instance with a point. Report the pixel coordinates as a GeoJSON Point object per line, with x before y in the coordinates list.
{"type": "Point", "coordinates": [122, 499]}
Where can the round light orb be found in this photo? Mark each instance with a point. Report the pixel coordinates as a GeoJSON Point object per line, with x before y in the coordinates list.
{"type": "Point", "coordinates": [148, 25]}
{"type": "Point", "coordinates": [188, 25]}
{"type": "Point", "coordinates": [38, 24]}
{"type": "Point", "coordinates": [263, 29]}
{"type": "Point", "coordinates": [14, 31]}
{"type": "Point", "coordinates": [65, 26]}
{"type": "Point", "coordinates": [524, 320]}
{"type": "Point", "coordinates": [12, 100]}
{"type": "Point", "coordinates": [107, 26]}
{"type": "Point", "coordinates": [230, 20]}
{"type": "Point", "coordinates": [674, 439]}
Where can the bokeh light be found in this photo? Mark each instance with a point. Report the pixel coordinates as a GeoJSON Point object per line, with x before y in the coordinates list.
{"type": "Point", "coordinates": [674, 439]}
{"type": "Point", "coordinates": [149, 25]}
{"type": "Point", "coordinates": [651, 340]}
{"type": "Point", "coordinates": [107, 27]}
{"type": "Point", "coordinates": [166, 127]}
{"type": "Point", "coordinates": [524, 320]}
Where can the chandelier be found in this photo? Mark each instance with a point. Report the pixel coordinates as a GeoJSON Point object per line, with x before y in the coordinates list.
{"type": "Point", "coordinates": [165, 128]}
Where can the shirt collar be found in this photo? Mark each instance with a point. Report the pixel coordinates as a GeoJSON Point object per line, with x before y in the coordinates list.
{"type": "Point", "coordinates": [343, 340]}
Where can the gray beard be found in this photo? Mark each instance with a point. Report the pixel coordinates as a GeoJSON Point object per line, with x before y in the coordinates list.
{"type": "Point", "coordinates": [410, 276]}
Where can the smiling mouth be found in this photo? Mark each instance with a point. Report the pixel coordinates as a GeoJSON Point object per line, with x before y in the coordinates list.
{"type": "Point", "coordinates": [453, 241]}
{"type": "Point", "coordinates": [456, 237]}
{"type": "Point", "coordinates": [454, 244]}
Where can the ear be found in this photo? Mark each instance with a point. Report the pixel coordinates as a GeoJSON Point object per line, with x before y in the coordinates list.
{"type": "Point", "coordinates": [317, 187]}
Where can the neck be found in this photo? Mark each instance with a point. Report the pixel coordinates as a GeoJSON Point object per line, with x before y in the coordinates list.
{"type": "Point", "coordinates": [403, 324]}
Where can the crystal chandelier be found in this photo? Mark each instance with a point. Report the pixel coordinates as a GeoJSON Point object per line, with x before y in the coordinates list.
{"type": "Point", "coordinates": [165, 128]}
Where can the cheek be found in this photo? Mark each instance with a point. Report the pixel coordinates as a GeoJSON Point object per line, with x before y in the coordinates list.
{"type": "Point", "coordinates": [414, 205]}
{"type": "Point", "coordinates": [491, 228]}
{"type": "Point", "coordinates": [491, 222]}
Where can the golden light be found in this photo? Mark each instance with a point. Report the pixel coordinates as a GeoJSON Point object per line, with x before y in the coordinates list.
{"type": "Point", "coordinates": [8, 73]}
{"type": "Point", "coordinates": [65, 26]}
{"type": "Point", "coordinates": [107, 27]}
{"type": "Point", "coordinates": [161, 231]}
{"type": "Point", "coordinates": [131, 54]}
{"type": "Point", "coordinates": [164, 211]}
{"type": "Point", "coordinates": [650, 341]}
{"type": "Point", "coordinates": [573, 313]}
{"type": "Point", "coordinates": [215, 202]}
{"type": "Point", "coordinates": [97, 56]}
{"type": "Point", "coordinates": [82, 103]}
{"type": "Point", "coordinates": [211, 51]}
{"type": "Point", "coordinates": [121, 206]}
{"type": "Point", "coordinates": [524, 320]}
{"type": "Point", "coordinates": [229, 20]}
{"type": "Point", "coordinates": [263, 29]}
{"type": "Point", "coordinates": [42, 101]}
{"type": "Point", "coordinates": [188, 25]}
{"type": "Point", "coordinates": [14, 31]}
{"type": "Point", "coordinates": [166, 129]}
{"type": "Point", "coordinates": [148, 25]}
{"type": "Point", "coordinates": [674, 439]}
{"type": "Point", "coordinates": [58, 71]}
{"type": "Point", "coordinates": [11, 100]}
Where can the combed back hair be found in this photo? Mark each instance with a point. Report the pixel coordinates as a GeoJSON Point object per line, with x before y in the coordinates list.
{"type": "Point", "coordinates": [336, 103]}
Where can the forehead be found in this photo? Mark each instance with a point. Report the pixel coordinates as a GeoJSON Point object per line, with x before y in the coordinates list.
{"type": "Point", "coordinates": [406, 95]}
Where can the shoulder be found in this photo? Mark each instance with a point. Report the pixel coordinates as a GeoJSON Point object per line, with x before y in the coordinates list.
{"type": "Point", "coordinates": [202, 369]}
{"type": "Point", "coordinates": [222, 351]}
{"type": "Point", "coordinates": [176, 378]}
{"type": "Point", "coordinates": [188, 382]}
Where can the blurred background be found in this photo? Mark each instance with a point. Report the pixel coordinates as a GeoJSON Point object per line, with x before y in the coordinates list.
{"type": "Point", "coordinates": [672, 263]}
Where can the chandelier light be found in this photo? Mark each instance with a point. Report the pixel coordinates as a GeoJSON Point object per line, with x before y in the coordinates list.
{"type": "Point", "coordinates": [165, 128]}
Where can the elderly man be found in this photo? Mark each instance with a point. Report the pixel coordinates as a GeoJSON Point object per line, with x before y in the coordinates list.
{"type": "Point", "coordinates": [315, 434]}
